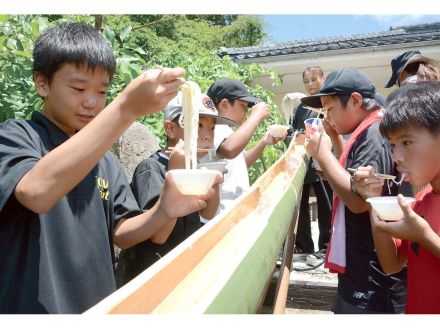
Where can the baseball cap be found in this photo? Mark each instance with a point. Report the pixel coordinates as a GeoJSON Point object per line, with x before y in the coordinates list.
{"type": "Point", "coordinates": [344, 81]}
{"type": "Point", "coordinates": [399, 63]}
{"type": "Point", "coordinates": [231, 89]}
{"type": "Point", "coordinates": [205, 106]}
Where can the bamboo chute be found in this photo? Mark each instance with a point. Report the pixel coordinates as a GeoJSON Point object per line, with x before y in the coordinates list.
{"type": "Point", "coordinates": [225, 267]}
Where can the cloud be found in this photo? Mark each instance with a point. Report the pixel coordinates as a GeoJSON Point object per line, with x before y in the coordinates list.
{"type": "Point", "coordinates": [397, 20]}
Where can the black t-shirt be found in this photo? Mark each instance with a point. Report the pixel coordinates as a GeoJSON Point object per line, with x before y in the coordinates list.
{"type": "Point", "coordinates": [147, 184]}
{"type": "Point", "coordinates": [364, 284]}
{"type": "Point", "coordinates": [59, 261]}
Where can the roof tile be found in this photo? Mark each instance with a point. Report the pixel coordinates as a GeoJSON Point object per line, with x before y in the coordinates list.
{"type": "Point", "coordinates": [396, 35]}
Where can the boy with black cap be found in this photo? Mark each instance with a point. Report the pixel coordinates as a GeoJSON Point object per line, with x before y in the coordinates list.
{"type": "Point", "coordinates": [149, 178]}
{"type": "Point", "coordinates": [410, 68]}
{"type": "Point", "coordinates": [348, 97]}
{"type": "Point", "coordinates": [232, 100]}
{"type": "Point", "coordinates": [64, 199]}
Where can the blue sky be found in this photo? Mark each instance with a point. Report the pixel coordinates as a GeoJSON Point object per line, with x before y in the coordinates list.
{"type": "Point", "coordinates": [284, 28]}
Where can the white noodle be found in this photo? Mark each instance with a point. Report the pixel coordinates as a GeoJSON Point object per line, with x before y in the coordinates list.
{"type": "Point", "coordinates": [189, 120]}
{"type": "Point", "coordinates": [395, 182]}
{"type": "Point", "coordinates": [401, 179]}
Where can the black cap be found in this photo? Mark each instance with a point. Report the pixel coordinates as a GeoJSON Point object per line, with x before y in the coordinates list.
{"type": "Point", "coordinates": [231, 89]}
{"type": "Point", "coordinates": [343, 82]}
{"type": "Point", "coordinates": [399, 63]}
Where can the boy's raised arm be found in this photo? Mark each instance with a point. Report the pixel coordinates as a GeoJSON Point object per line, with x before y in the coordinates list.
{"type": "Point", "coordinates": [237, 141]}
{"type": "Point", "coordinates": [254, 153]}
{"type": "Point", "coordinates": [62, 169]}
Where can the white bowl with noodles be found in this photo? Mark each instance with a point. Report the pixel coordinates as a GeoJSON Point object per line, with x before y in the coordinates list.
{"type": "Point", "coordinates": [193, 181]}
{"type": "Point", "coordinates": [387, 207]}
{"type": "Point", "coordinates": [219, 166]}
{"type": "Point", "coordinates": [278, 130]}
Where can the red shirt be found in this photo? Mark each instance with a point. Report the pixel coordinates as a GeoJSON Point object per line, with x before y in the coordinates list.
{"type": "Point", "coordinates": [423, 292]}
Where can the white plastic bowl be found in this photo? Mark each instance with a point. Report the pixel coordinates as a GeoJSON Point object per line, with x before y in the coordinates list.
{"type": "Point", "coordinates": [193, 181]}
{"type": "Point", "coordinates": [219, 166]}
{"type": "Point", "coordinates": [278, 130]}
{"type": "Point", "coordinates": [387, 207]}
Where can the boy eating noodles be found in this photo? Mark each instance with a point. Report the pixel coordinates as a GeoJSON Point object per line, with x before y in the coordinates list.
{"type": "Point", "coordinates": [412, 126]}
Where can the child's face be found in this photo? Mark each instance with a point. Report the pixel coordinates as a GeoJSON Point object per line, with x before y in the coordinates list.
{"type": "Point", "coordinates": [205, 138]}
{"type": "Point", "coordinates": [417, 154]}
{"type": "Point", "coordinates": [237, 111]}
{"type": "Point", "coordinates": [74, 97]}
{"type": "Point", "coordinates": [344, 120]}
{"type": "Point", "coordinates": [312, 82]}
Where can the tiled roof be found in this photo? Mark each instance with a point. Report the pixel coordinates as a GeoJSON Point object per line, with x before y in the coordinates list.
{"type": "Point", "coordinates": [396, 35]}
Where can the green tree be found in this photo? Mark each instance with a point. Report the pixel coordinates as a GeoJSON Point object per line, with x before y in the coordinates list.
{"type": "Point", "coordinates": [142, 41]}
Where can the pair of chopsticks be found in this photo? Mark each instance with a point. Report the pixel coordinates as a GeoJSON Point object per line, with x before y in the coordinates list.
{"type": "Point", "coordinates": [319, 111]}
{"type": "Point", "coordinates": [383, 176]}
{"type": "Point", "coordinates": [171, 148]}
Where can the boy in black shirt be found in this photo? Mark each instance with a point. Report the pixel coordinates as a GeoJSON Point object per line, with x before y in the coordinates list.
{"type": "Point", "coordinates": [148, 180]}
{"type": "Point", "coordinates": [348, 97]}
{"type": "Point", "coordinates": [64, 200]}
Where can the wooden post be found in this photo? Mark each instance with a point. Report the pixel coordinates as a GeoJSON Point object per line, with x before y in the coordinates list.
{"type": "Point", "coordinates": [286, 265]}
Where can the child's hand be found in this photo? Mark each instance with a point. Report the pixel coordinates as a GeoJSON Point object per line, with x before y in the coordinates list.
{"type": "Point", "coordinates": [412, 227]}
{"type": "Point", "coordinates": [320, 174]}
{"type": "Point", "coordinates": [268, 139]}
{"type": "Point", "coordinates": [318, 144]}
{"type": "Point", "coordinates": [151, 91]}
{"type": "Point", "coordinates": [174, 205]}
{"type": "Point", "coordinates": [366, 184]}
{"type": "Point", "coordinates": [220, 177]}
{"type": "Point", "coordinates": [328, 127]}
{"type": "Point", "coordinates": [260, 111]}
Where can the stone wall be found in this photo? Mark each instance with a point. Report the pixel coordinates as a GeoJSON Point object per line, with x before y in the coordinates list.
{"type": "Point", "coordinates": [136, 144]}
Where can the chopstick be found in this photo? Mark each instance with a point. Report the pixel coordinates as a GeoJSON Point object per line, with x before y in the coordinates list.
{"type": "Point", "coordinates": [383, 176]}
{"type": "Point", "coordinates": [319, 111]}
{"type": "Point", "coordinates": [171, 148]}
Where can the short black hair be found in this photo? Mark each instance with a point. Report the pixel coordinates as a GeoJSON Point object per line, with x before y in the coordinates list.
{"type": "Point", "coordinates": [74, 43]}
{"type": "Point", "coordinates": [418, 107]}
{"type": "Point", "coordinates": [369, 104]}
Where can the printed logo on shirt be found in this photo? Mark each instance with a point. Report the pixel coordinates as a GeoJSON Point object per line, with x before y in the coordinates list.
{"type": "Point", "coordinates": [102, 186]}
{"type": "Point", "coordinates": [361, 295]}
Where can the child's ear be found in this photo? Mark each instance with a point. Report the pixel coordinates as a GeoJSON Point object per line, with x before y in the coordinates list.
{"type": "Point", "coordinates": [41, 84]}
{"type": "Point", "coordinates": [223, 105]}
{"type": "Point", "coordinates": [356, 100]}
{"type": "Point", "coordinates": [170, 128]}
